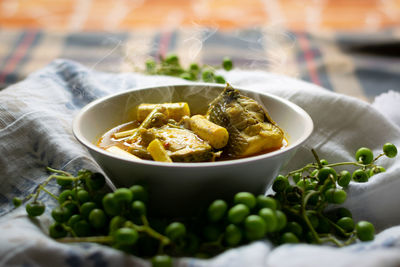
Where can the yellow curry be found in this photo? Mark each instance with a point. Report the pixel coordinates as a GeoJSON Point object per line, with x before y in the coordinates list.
{"type": "Point", "coordinates": [235, 126]}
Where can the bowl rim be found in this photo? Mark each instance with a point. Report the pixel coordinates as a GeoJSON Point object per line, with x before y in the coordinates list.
{"type": "Point", "coordinates": [89, 145]}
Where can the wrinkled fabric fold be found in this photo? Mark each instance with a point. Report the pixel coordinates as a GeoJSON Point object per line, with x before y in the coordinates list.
{"type": "Point", "coordinates": [35, 131]}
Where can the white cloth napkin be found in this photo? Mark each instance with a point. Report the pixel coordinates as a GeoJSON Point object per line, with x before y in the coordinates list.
{"type": "Point", "coordinates": [35, 131]}
{"type": "Point", "coordinates": [388, 103]}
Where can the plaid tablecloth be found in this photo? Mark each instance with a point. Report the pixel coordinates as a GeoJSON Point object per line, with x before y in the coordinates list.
{"type": "Point", "coordinates": [362, 65]}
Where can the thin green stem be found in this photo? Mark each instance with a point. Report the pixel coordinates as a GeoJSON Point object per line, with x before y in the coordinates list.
{"type": "Point", "coordinates": [150, 231]}
{"type": "Point", "coordinates": [36, 194]}
{"type": "Point", "coordinates": [331, 238]}
{"type": "Point", "coordinates": [305, 168]}
{"type": "Point", "coordinates": [66, 178]}
{"type": "Point", "coordinates": [69, 230]}
{"type": "Point", "coordinates": [48, 192]}
{"type": "Point", "coordinates": [380, 155]}
{"type": "Point", "coordinates": [59, 171]}
{"type": "Point", "coordinates": [348, 163]}
{"type": "Point", "coordinates": [304, 215]}
{"type": "Point", "coordinates": [350, 240]}
{"type": "Point", "coordinates": [337, 227]}
{"type": "Point", "coordinates": [316, 158]}
{"type": "Point", "coordinates": [213, 246]}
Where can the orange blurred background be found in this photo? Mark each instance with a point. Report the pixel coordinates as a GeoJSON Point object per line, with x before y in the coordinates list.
{"type": "Point", "coordinates": [110, 15]}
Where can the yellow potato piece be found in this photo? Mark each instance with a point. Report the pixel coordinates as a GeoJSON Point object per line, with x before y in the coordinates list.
{"type": "Point", "coordinates": [173, 111]}
{"type": "Point", "coordinates": [124, 133]}
{"type": "Point", "coordinates": [216, 135]}
{"type": "Point", "coordinates": [157, 151]}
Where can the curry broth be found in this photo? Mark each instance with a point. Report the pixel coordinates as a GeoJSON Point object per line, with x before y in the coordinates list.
{"type": "Point", "coordinates": [235, 126]}
{"type": "Point", "coordinates": [107, 140]}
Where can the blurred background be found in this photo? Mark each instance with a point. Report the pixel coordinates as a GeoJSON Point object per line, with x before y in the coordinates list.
{"type": "Point", "coordinates": [347, 46]}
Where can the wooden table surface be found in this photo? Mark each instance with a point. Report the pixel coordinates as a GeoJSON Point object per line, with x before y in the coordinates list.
{"type": "Point", "coordinates": [110, 15]}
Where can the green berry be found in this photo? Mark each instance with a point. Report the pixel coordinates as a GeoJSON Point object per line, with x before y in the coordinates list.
{"type": "Point", "coordinates": [326, 172]}
{"type": "Point", "coordinates": [282, 220]}
{"type": "Point", "coordinates": [64, 182]}
{"type": "Point", "coordinates": [375, 170]}
{"type": "Point", "coordinates": [74, 219]}
{"type": "Point", "coordinates": [280, 183]}
{"type": "Point", "coordinates": [150, 66]}
{"type": "Point", "coordinates": [126, 236]}
{"type": "Point", "coordinates": [123, 195]}
{"type": "Point", "coordinates": [266, 202]}
{"type": "Point", "coordinates": [194, 67]}
{"type": "Point", "coordinates": [17, 202]}
{"type": "Point", "coordinates": [161, 261]}
{"type": "Point", "coordinates": [139, 193]}
{"type": "Point", "coordinates": [138, 208]}
{"type": "Point", "coordinates": [339, 196]}
{"type": "Point", "coordinates": [270, 218]}
{"type": "Point", "coordinates": [336, 196]}
{"type": "Point", "coordinates": [294, 228]}
{"type": "Point", "coordinates": [65, 195]}
{"type": "Point", "coordinates": [360, 176]}
{"type": "Point", "coordinates": [314, 173]}
{"type": "Point", "coordinates": [323, 162]}
{"type": "Point", "coordinates": [86, 208]}
{"type": "Point", "coordinates": [61, 214]}
{"type": "Point", "coordinates": [233, 235]}
{"type": "Point", "coordinates": [175, 231]}
{"type": "Point", "coordinates": [329, 195]}
{"type": "Point", "coordinates": [346, 223]}
{"type": "Point", "coordinates": [364, 155]}
{"type": "Point", "coordinates": [208, 75]}
{"type": "Point", "coordinates": [296, 177]}
{"type": "Point", "coordinates": [187, 76]}
{"type": "Point", "coordinates": [56, 230]}
{"type": "Point", "coordinates": [302, 183]}
{"type": "Point", "coordinates": [172, 59]}
{"type": "Point", "coordinates": [344, 178]}
{"type": "Point", "coordinates": [219, 79]}
{"type": "Point", "coordinates": [255, 227]}
{"type": "Point", "coordinates": [83, 196]}
{"type": "Point", "coordinates": [238, 213]}
{"type": "Point", "coordinates": [217, 210]}
{"type": "Point", "coordinates": [82, 228]}
{"type": "Point", "coordinates": [110, 205]}
{"type": "Point", "coordinates": [390, 150]}
{"type": "Point", "coordinates": [35, 208]}
{"type": "Point", "coordinates": [365, 231]}
{"type": "Point", "coordinates": [289, 237]}
{"type": "Point", "coordinates": [116, 223]}
{"type": "Point", "coordinates": [97, 218]}
{"type": "Point", "coordinates": [245, 198]}
{"type": "Point", "coordinates": [227, 63]}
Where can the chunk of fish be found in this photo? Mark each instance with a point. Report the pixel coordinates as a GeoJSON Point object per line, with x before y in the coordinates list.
{"type": "Point", "coordinates": [251, 129]}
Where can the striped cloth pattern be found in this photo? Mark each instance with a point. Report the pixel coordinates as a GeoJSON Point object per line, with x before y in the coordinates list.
{"type": "Point", "coordinates": [359, 65]}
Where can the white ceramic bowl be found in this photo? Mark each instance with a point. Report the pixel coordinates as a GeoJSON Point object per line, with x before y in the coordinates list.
{"type": "Point", "coordinates": [181, 188]}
